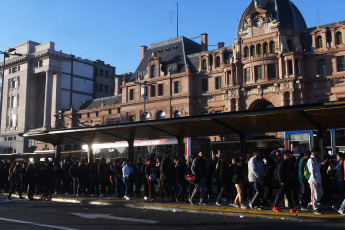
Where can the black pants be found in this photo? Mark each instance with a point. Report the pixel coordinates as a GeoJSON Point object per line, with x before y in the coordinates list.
{"type": "Point", "coordinates": [284, 189]}
{"type": "Point", "coordinates": [165, 184]}
{"type": "Point", "coordinates": [13, 186]}
{"type": "Point", "coordinates": [304, 194]}
{"type": "Point", "coordinates": [31, 189]}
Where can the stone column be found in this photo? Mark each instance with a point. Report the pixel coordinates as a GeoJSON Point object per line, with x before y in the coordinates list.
{"type": "Point", "coordinates": [56, 96]}
{"type": "Point", "coordinates": [47, 101]}
{"type": "Point", "coordinates": [292, 98]}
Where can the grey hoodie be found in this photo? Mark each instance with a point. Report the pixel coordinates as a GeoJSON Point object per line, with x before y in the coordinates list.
{"type": "Point", "coordinates": [256, 171]}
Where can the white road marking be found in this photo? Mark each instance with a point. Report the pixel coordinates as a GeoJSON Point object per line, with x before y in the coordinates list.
{"type": "Point", "coordinates": [110, 217]}
{"type": "Point", "coordinates": [37, 224]}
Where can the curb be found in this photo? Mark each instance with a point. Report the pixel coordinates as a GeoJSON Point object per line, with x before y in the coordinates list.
{"type": "Point", "coordinates": [197, 209]}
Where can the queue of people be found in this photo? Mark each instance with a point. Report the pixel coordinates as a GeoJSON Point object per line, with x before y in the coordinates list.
{"type": "Point", "coordinates": [251, 182]}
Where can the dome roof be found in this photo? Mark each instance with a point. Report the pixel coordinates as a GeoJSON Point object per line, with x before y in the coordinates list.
{"type": "Point", "coordinates": [284, 11]}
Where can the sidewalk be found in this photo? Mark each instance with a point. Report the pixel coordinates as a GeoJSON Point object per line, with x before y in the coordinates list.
{"type": "Point", "coordinates": [329, 214]}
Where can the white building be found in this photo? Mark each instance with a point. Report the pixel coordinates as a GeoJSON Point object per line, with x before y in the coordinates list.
{"type": "Point", "coordinates": [41, 82]}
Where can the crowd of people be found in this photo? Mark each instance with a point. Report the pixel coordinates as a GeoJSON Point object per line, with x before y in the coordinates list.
{"type": "Point", "coordinates": [252, 182]}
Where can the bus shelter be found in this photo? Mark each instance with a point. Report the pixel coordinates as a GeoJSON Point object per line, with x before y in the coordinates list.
{"type": "Point", "coordinates": [320, 116]}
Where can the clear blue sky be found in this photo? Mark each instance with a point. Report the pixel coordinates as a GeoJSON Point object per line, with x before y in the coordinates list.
{"type": "Point", "coordinates": [114, 30]}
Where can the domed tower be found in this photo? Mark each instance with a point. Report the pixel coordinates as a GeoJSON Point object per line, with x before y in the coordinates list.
{"type": "Point", "coordinates": [283, 12]}
{"type": "Point", "coordinates": [268, 55]}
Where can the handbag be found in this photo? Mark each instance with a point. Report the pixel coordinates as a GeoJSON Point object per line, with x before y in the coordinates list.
{"type": "Point", "coordinates": [190, 177]}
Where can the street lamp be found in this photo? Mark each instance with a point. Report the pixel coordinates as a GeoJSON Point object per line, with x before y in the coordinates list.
{"type": "Point", "coordinates": [145, 84]}
{"type": "Point", "coordinates": [6, 54]}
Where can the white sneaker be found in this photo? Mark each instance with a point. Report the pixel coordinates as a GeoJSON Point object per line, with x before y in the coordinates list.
{"type": "Point", "coordinates": [146, 198]}
{"type": "Point", "coordinates": [128, 198]}
{"type": "Point", "coordinates": [341, 211]}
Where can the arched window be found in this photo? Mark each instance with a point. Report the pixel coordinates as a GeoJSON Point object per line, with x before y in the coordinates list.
{"type": "Point", "coordinates": [289, 44]}
{"type": "Point", "coordinates": [146, 116]}
{"type": "Point", "coordinates": [258, 49]}
{"type": "Point", "coordinates": [217, 61]}
{"type": "Point", "coordinates": [339, 38]}
{"type": "Point", "coordinates": [153, 71]}
{"type": "Point", "coordinates": [319, 43]}
{"type": "Point", "coordinates": [252, 50]}
{"type": "Point", "coordinates": [204, 64]}
{"type": "Point", "coordinates": [272, 47]}
{"type": "Point", "coordinates": [131, 119]}
{"type": "Point", "coordinates": [177, 114]}
{"type": "Point", "coordinates": [265, 48]}
{"type": "Point", "coordinates": [68, 148]}
{"type": "Point", "coordinates": [246, 52]}
{"type": "Point", "coordinates": [161, 114]}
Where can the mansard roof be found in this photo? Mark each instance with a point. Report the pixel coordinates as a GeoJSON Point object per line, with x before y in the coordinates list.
{"type": "Point", "coordinates": [97, 103]}
{"type": "Point", "coordinates": [172, 51]}
{"type": "Point", "coordinates": [306, 38]}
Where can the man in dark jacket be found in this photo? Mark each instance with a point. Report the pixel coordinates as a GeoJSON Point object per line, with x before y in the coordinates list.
{"type": "Point", "coordinates": [285, 175]}
{"type": "Point", "coordinates": [166, 176]}
{"type": "Point", "coordinates": [199, 169]}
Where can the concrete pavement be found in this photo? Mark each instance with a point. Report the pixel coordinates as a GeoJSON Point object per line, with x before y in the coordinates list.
{"type": "Point", "coordinates": [328, 215]}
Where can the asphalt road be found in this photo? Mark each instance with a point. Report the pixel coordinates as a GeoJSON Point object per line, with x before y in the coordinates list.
{"type": "Point", "coordinates": [24, 214]}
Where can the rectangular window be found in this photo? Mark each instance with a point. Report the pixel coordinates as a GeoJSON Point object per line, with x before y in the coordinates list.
{"type": "Point", "coordinates": [14, 69]}
{"type": "Point", "coordinates": [204, 85]}
{"type": "Point", "coordinates": [96, 114]}
{"type": "Point", "coordinates": [341, 63]}
{"type": "Point", "coordinates": [96, 71]}
{"type": "Point", "coordinates": [106, 73]}
{"type": "Point", "coordinates": [321, 67]}
{"type": "Point", "coordinates": [109, 111]}
{"type": "Point", "coordinates": [271, 71]}
{"type": "Point", "coordinates": [101, 73]}
{"type": "Point", "coordinates": [153, 91]}
{"type": "Point", "coordinates": [258, 72]}
{"type": "Point", "coordinates": [176, 87]}
{"type": "Point", "coordinates": [289, 70]}
{"type": "Point", "coordinates": [100, 87]}
{"type": "Point", "coordinates": [131, 94]}
{"type": "Point", "coordinates": [247, 74]}
{"type": "Point", "coordinates": [160, 90]}
{"type": "Point", "coordinates": [218, 84]}
{"type": "Point", "coordinates": [106, 88]}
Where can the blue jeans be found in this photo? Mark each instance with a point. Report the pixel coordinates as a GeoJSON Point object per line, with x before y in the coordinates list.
{"type": "Point", "coordinates": [126, 182]}
{"type": "Point", "coordinates": [179, 193]}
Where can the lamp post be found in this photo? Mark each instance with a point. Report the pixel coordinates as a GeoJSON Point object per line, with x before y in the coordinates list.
{"type": "Point", "coordinates": [145, 84]}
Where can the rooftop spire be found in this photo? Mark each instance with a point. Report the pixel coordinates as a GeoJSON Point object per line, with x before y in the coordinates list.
{"type": "Point", "coordinates": [257, 4]}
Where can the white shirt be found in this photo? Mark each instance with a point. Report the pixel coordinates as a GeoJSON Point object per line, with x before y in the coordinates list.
{"type": "Point", "coordinates": [314, 169]}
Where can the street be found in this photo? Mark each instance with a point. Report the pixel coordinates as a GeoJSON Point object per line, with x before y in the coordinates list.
{"type": "Point", "coordinates": [24, 214]}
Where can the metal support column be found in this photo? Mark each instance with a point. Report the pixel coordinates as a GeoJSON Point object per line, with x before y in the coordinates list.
{"type": "Point", "coordinates": [243, 139]}
{"type": "Point", "coordinates": [131, 149]}
{"type": "Point", "coordinates": [180, 146]}
{"type": "Point", "coordinates": [90, 153]}
{"type": "Point", "coordinates": [57, 149]}
{"type": "Point", "coordinates": [321, 143]}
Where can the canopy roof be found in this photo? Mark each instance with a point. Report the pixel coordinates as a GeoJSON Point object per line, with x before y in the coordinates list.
{"type": "Point", "coordinates": [301, 117]}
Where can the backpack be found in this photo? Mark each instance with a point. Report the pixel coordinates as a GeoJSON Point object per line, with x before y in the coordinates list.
{"type": "Point", "coordinates": [306, 172]}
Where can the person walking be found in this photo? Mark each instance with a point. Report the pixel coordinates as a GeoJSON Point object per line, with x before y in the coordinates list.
{"type": "Point", "coordinates": [304, 186]}
{"type": "Point", "coordinates": [199, 169]}
{"type": "Point", "coordinates": [151, 176]}
{"type": "Point", "coordinates": [237, 179]}
{"type": "Point", "coordinates": [314, 166]}
{"type": "Point", "coordinates": [256, 176]}
{"type": "Point", "coordinates": [285, 178]}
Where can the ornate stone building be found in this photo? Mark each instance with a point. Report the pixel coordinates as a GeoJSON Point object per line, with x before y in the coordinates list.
{"type": "Point", "coordinates": [275, 61]}
{"type": "Point", "coordinates": [40, 83]}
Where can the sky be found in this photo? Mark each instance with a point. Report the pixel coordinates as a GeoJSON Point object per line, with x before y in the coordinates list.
{"type": "Point", "coordinates": [114, 30]}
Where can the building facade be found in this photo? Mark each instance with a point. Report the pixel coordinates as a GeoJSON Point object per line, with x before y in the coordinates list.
{"type": "Point", "coordinates": [41, 82]}
{"type": "Point", "coordinates": [275, 61]}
